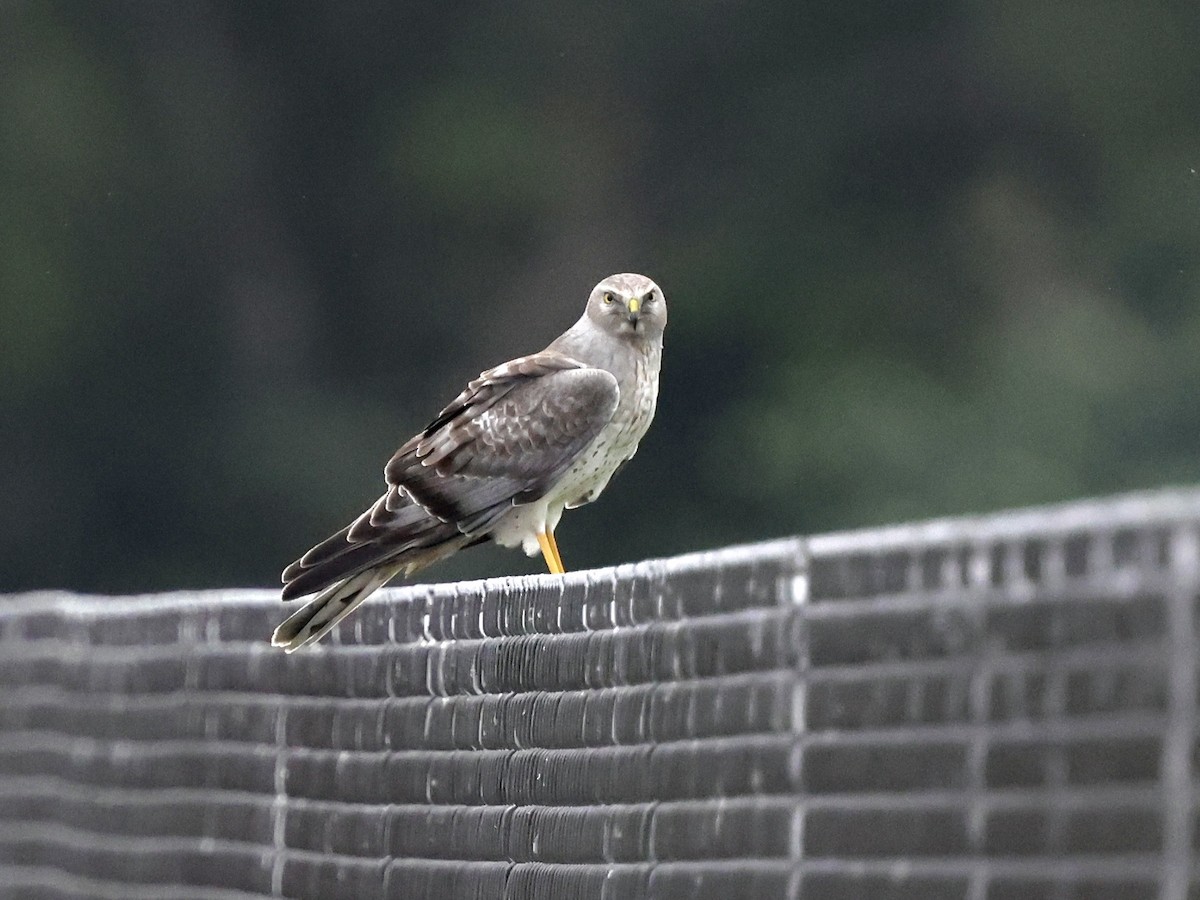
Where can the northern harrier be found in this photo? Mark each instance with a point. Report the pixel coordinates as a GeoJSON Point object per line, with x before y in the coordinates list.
{"type": "Point", "coordinates": [524, 441]}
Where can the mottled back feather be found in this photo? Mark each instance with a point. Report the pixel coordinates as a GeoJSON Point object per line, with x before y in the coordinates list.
{"type": "Point", "coordinates": [504, 440]}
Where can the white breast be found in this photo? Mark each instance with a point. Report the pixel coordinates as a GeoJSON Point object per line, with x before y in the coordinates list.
{"type": "Point", "coordinates": [618, 442]}
{"type": "Point", "coordinates": [590, 474]}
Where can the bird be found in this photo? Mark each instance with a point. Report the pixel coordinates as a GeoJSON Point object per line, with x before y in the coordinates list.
{"type": "Point", "coordinates": [523, 442]}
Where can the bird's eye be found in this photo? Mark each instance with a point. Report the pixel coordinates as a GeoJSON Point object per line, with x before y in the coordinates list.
{"type": "Point", "coordinates": [649, 298]}
{"type": "Point", "coordinates": [608, 297]}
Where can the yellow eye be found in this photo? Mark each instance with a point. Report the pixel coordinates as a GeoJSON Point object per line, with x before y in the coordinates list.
{"type": "Point", "coordinates": [608, 297]}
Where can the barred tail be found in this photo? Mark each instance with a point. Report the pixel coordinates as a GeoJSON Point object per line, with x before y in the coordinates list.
{"type": "Point", "coordinates": [318, 616]}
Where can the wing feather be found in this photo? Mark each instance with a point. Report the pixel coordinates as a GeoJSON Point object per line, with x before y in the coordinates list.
{"type": "Point", "coordinates": [505, 440]}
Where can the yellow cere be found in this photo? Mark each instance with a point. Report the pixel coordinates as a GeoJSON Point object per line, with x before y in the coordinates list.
{"type": "Point", "coordinates": [634, 304]}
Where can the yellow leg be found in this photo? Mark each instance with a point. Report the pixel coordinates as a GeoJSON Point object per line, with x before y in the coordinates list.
{"type": "Point", "coordinates": [550, 552]}
{"type": "Point", "coordinates": [557, 558]}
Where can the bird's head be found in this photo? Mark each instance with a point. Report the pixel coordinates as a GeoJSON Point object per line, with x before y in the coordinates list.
{"type": "Point", "coordinates": [629, 306]}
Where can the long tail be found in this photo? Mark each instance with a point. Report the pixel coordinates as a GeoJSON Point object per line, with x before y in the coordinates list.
{"type": "Point", "coordinates": [318, 616]}
{"type": "Point", "coordinates": [349, 566]}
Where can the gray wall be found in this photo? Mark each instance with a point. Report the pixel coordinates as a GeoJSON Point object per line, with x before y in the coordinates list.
{"type": "Point", "coordinates": [985, 709]}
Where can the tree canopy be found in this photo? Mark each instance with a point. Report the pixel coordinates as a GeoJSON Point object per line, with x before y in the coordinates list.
{"type": "Point", "coordinates": [922, 259]}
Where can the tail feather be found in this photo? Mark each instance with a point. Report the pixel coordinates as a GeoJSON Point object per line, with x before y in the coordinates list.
{"type": "Point", "coordinates": [405, 548]}
{"type": "Point", "coordinates": [347, 567]}
{"type": "Point", "coordinates": [318, 617]}
{"type": "Point", "coordinates": [357, 558]}
{"type": "Point", "coordinates": [372, 538]}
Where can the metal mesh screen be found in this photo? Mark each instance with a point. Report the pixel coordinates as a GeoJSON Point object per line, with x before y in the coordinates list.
{"type": "Point", "coordinates": [985, 709]}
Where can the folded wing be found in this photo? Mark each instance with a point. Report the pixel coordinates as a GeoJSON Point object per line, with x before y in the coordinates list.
{"type": "Point", "coordinates": [505, 440]}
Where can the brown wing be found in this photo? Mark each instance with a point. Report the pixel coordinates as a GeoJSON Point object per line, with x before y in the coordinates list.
{"type": "Point", "coordinates": [505, 440]}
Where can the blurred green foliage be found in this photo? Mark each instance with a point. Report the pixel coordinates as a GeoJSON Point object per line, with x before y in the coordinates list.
{"type": "Point", "coordinates": [922, 258]}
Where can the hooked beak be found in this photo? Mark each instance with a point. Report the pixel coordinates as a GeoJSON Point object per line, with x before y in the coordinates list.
{"type": "Point", "coordinates": [635, 308]}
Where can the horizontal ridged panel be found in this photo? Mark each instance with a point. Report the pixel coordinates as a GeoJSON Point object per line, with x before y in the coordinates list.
{"type": "Point", "coordinates": [983, 709]}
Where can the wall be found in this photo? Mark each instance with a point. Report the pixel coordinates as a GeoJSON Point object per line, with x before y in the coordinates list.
{"type": "Point", "coordinates": [993, 708]}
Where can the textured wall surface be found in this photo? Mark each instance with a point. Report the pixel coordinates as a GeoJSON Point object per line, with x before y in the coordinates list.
{"type": "Point", "coordinates": [986, 709]}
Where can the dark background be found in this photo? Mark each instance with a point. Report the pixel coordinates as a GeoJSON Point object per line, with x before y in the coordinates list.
{"type": "Point", "coordinates": [922, 258]}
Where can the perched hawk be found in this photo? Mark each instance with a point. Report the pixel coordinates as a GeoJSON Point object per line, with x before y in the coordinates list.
{"type": "Point", "coordinates": [523, 442]}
